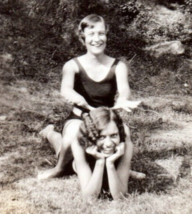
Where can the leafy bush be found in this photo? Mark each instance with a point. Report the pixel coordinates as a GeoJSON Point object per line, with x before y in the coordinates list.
{"type": "Point", "coordinates": [41, 35]}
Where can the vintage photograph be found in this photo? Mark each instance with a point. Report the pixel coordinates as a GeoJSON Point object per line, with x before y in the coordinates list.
{"type": "Point", "coordinates": [95, 107]}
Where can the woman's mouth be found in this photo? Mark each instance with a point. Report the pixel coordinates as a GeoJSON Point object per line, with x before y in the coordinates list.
{"type": "Point", "coordinates": [97, 45]}
{"type": "Point", "coordinates": [108, 151]}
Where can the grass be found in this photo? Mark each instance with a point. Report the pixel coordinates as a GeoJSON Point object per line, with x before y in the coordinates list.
{"type": "Point", "coordinates": [161, 132]}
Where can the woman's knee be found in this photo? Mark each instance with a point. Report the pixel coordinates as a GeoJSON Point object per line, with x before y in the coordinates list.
{"type": "Point", "coordinates": [71, 133]}
{"type": "Point", "coordinates": [71, 127]}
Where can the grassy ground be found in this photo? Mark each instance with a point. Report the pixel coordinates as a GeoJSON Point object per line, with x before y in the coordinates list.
{"type": "Point", "coordinates": [161, 132]}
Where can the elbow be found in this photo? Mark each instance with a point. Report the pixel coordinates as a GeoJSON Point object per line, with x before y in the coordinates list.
{"type": "Point", "coordinates": [119, 195]}
{"type": "Point", "coordinates": [90, 195]}
{"type": "Point", "coordinates": [90, 192]}
{"type": "Point", "coordinates": [64, 92]}
{"type": "Point", "coordinates": [125, 93]}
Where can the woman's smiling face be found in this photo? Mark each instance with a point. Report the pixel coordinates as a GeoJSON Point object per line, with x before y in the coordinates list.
{"type": "Point", "coordinates": [95, 38]}
{"type": "Point", "coordinates": [109, 139]}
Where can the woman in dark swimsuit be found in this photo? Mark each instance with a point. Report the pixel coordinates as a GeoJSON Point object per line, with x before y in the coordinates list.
{"type": "Point", "coordinates": [89, 81]}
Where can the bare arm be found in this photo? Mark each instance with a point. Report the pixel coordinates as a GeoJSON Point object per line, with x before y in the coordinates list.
{"type": "Point", "coordinates": [122, 80]}
{"type": "Point", "coordinates": [118, 178]}
{"type": "Point", "coordinates": [90, 182]}
{"type": "Point", "coordinates": [123, 169]}
{"type": "Point", "coordinates": [124, 89]}
{"type": "Point", "coordinates": [67, 85]}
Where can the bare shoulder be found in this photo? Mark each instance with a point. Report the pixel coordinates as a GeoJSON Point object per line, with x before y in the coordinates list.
{"type": "Point", "coordinates": [78, 151]}
{"type": "Point", "coordinates": [75, 144]}
{"type": "Point", "coordinates": [82, 57]}
{"type": "Point", "coordinates": [83, 60]}
{"type": "Point", "coordinates": [128, 136]}
{"type": "Point", "coordinates": [70, 66]}
{"type": "Point", "coordinates": [127, 130]}
{"type": "Point", "coordinates": [121, 66]}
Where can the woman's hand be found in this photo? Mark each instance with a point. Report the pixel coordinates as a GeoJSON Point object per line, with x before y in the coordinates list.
{"type": "Point", "coordinates": [120, 149]}
{"type": "Point", "coordinates": [90, 107]}
{"type": "Point", "coordinates": [80, 102]}
{"type": "Point", "coordinates": [125, 104]}
{"type": "Point", "coordinates": [92, 150]}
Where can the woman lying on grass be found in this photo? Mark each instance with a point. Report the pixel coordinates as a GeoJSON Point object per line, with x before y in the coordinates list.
{"type": "Point", "coordinates": [103, 154]}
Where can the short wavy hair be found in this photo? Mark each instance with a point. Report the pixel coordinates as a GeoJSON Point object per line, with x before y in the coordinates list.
{"type": "Point", "coordinates": [95, 122]}
{"type": "Point", "coordinates": [89, 21]}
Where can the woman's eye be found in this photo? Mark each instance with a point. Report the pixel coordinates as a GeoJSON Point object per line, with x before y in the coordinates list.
{"type": "Point", "coordinates": [90, 34]}
{"type": "Point", "coordinates": [101, 33]}
{"type": "Point", "coordinates": [101, 137]}
{"type": "Point", "coordinates": [114, 135]}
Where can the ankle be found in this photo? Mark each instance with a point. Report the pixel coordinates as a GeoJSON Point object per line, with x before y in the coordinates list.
{"type": "Point", "coordinates": [58, 170]}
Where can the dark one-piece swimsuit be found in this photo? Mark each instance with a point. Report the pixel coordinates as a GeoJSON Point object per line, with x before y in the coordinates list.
{"type": "Point", "coordinates": [97, 94]}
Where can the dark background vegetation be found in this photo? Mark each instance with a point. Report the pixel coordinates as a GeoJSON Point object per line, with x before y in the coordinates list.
{"type": "Point", "coordinates": [41, 37]}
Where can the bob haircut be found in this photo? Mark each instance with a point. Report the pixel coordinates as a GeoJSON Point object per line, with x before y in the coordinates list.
{"type": "Point", "coordinates": [95, 122]}
{"type": "Point", "coordinates": [89, 22]}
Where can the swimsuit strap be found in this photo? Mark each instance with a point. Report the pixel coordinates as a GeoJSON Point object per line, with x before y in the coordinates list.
{"type": "Point", "coordinates": [113, 67]}
{"type": "Point", "coordinates": [81, 67]}
{"type": "Point", "coordinates": [78, 64]}
{"type": "Point", "coordinates": [115, 62]}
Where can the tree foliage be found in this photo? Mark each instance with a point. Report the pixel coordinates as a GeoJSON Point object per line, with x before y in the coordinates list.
{"type": "Point", "coordinates": [41, 35]}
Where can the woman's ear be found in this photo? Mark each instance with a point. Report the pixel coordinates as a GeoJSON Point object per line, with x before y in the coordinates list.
{"type": "Point", "coordinates": [82, 39]}
{"type": "Point", "coordinates": [81, 36]}
{"type": "Point", "coordinates": [107, 29]}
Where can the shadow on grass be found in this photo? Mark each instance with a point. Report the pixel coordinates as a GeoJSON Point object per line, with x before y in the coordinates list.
{"type": "Point", "coordinates": [164, 153]}
{"type": "Point", "coordinates": [157, 178]}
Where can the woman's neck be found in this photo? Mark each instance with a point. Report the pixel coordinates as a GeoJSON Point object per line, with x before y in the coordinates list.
{"type": "Point", "coordinates": [95, 58]}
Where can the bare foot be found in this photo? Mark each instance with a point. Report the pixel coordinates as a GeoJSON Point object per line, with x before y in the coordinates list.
{"type": "Point", "coordinates": [44, 133]}
{"type": "Point", "coordinates": [51, 173]}
{"type": "Point", "coordinates": [137, 175]}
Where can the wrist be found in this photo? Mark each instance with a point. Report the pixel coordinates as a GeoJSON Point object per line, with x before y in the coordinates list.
{"type": "Point", "coordinates": [100, 161]}
{"type": "Point", "coordinates": [109, 163]}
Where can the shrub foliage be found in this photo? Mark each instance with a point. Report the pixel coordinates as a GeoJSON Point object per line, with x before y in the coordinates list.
{"type": "Point", "coordinates": [41, 35]}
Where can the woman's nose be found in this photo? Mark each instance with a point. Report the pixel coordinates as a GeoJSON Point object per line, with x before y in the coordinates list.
{"type": "Point", "coordinates": [108, 142]}
{"type": "Point", "coordinates": [96, 37]}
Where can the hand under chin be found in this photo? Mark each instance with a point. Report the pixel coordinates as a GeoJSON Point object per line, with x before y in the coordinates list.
{"type": "Point", "coordinates": [106, 155]}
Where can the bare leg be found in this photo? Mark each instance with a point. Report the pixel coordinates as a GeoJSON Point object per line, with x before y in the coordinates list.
{"type": "Point", "coordinates": [71, 133]}
{"type": "Point", "coordinates": [54, 138]}
{"type": "Point", "coordinates": [44, 133]}
{"type": "Point", "coordinates": [58, 169]}
{"type": "Point", "coordinates": [137, 175]}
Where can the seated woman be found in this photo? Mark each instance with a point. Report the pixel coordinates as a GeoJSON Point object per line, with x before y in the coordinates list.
{"type": "Point", "coordinates": [103, 154]}
{"type": "Point", "coordinates": [89, 81]}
